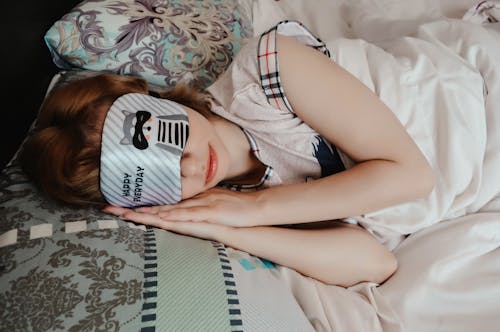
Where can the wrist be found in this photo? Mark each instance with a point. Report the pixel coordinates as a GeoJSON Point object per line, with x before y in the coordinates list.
{"type": "Point", "coordinates": [274, 206]}
{"type": "Point", "coordinates": [224, 234]}
{"type": "Point", "coordinates": [264, 212]}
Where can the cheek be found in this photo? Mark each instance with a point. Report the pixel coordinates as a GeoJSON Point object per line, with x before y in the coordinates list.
{"type": "Point", "coordinates": [189, 188]}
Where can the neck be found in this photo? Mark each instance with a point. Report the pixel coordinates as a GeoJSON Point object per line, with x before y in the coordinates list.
{"type": "Point", "coordinates": [242, 162]}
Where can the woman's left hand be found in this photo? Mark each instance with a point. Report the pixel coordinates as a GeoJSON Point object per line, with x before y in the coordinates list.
{"type": "Point", "coordinates": [216, 206]}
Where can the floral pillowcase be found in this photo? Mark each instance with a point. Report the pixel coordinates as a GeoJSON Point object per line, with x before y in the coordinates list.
{"type": "Point", "coordinates": [79, 269]}
{"type": "Point", "coordinates": [164, 41]}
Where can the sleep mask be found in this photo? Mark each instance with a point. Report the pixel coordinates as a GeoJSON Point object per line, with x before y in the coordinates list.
{"type": "Point", "coordinates": [143, 139]}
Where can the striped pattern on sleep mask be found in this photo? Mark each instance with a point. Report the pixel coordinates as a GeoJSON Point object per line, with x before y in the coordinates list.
{"type": "Point", "coordinates": [142, 144]}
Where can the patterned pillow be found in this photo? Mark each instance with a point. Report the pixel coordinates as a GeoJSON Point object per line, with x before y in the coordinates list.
{"type": "Point", "coordinates": [78, 269]}
{"type": "Point", "coordinates": [163, 41]}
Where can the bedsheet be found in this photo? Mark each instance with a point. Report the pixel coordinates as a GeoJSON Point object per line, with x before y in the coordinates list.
{"type": "Point", "coordinates": [79, 269]}
{"type": "Point", "coordinates": [441, 82]}
{"type": "Point", "coordinates": [436, 65]}
{"type": "Point", "coordinates": [437, 69]}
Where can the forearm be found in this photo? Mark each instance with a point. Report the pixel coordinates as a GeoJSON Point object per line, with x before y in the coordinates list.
{"type": "Point", "coordinates": [341, 255]}
{"type": "Point", "coordinates": [336, 253]}
{"type": "Point", "coordinates": [390, 169]}
{"type": "Point", "coordinates": [366, 187]}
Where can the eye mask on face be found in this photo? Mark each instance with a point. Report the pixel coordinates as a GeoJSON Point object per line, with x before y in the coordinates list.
{"type": "Point", "coordinates": [142, 144]}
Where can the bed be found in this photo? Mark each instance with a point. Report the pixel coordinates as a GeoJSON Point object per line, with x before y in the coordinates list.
{"type": "Point", "coordinates": [436, 64]}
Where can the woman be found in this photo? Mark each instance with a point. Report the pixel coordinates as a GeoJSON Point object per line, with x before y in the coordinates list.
{"type": "Point", "coordinates": [278, 121]}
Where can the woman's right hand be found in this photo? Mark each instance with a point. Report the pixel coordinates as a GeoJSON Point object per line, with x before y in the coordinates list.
{"type": "Point", "coordinates": [215, 206]}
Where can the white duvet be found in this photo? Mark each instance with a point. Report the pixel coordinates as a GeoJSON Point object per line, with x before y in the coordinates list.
{"type": "Point", "coordinates": [440, 74]}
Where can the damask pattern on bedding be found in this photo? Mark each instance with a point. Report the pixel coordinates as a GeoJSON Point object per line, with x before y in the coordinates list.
{"type": "Point", "coordinates": [70, 269]}
{"type": "Point", "coordinates": [166, 42]}
{"type": "Point", "coordinates": [64, 269]}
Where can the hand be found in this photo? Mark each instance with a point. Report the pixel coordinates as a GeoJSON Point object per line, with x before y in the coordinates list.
{"type": "Point", "coordinates": [203, 230]}
{"type": "Point", "coordinates": [217, 206]}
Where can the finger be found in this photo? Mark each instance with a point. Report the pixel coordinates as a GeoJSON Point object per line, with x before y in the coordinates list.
{"type": "Point", "coordinates": [189, 203]}
{"type": "Point", "coordinates": [201, 230]}
{"type": "Point", "coordinates": [155, 209]}
{"type": "Point", "coordinates": [148, 209]}
{"type": "Point", "coordinates": [161, 208]}
{"type": "Point", "coordinates": [217, 190]}
{"type": "Point", "coordinates": [146, 219]}
{"type": "Point", "coordinates": [211, 194]}
{"type": "Point", "coordinates": [194, 213]}
{"type": "Point", "coordinates": [115, 210]}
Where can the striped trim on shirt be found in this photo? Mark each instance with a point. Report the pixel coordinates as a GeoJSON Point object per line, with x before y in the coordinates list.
{"type": "Point", "coordinates": [267, 56]}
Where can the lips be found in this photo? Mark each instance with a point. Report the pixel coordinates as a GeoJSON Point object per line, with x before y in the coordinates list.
{"type": "Point", "coordinates": [212, 164]}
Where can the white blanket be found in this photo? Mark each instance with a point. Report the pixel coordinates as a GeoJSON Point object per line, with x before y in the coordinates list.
{"type": "Point", "coordinates": [442, 82]}
{"type": "Point", "coordinates": [440, 73]}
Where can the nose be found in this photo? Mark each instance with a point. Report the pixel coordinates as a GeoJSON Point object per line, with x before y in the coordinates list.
{"type": "Point", "coordinates": [191, 166]}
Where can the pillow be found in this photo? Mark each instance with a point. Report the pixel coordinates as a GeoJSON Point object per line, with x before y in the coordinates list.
{"type": "Point", "coordinates": [164, 41]}
{"type": "Point", "coordinates": [325, 18]}
{"type": "Point", "coordinates": [78, 269]}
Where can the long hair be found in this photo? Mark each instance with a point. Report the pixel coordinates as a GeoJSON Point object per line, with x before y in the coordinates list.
{"type": "Point", "coordinates": [62, 156]}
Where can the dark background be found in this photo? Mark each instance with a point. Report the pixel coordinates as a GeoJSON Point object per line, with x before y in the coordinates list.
{"type": "Point", "coordinates": [26, 64]}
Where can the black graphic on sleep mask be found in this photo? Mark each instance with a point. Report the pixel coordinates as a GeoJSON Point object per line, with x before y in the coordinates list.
{"type": "Point", "coordinates": [138, 139]}
{"type": "Point", "coordinates": [172, 130]}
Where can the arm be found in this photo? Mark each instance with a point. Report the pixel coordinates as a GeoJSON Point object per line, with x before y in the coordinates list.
{"type": "Point", "coordinates": [390, 167]}
{"type": "Point", "coordinates": [340, 254]}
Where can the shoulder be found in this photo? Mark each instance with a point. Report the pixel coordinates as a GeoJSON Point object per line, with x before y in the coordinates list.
{"type": "Point", "coordinates": [285, 38]}
{"type": "Point", "coordinates": [295, 32]}
{"type": "Point", "coordinates": [255, 68]}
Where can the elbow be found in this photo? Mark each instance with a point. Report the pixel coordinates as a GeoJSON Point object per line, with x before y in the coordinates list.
{"type": "Point", "coordinates": [378, 272]}
{"type": "Point", "coordinates": [426, 181]}
{"type": "Point", "coordinates": [374, 263]}
{"type": "Point", "coordinates": [387, 267]}
{"type": "Point", "coordinates": [423, 179]}
{"type": "Point", "coordinates": [381, 267]}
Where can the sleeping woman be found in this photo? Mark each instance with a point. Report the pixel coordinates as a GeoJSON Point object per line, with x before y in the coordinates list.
{"type": "Point", "coordinates": [283, 140]}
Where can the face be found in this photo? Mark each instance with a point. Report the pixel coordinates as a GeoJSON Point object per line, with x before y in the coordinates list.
{"type": "Point", "coordinates": [205, 159]}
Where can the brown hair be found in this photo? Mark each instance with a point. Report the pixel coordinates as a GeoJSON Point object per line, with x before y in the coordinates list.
{"type": "Point", "coordinates": [62, 156]}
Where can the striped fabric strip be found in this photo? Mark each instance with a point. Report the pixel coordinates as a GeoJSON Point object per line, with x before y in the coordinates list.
{"type": "Point", "coordinates": [268, 60]}
{"type": "Point", "coordinates": [235, 320]}
{"type": "Point", "coordinates": [269, 71]}
{"type": "Point", "coordinates": [150, 293]}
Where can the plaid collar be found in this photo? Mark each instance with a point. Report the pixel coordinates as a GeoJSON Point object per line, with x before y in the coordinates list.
{"type": "Point", "coordinates": [268, 59]}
